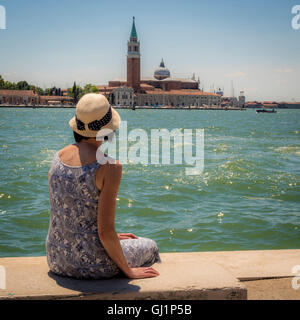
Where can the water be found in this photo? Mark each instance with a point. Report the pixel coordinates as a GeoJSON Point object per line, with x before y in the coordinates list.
{"type": "Point", "coordinates": [248, 196]}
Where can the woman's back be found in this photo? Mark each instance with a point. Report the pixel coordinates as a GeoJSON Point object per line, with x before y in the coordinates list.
{"type": "Point", "coordinates": [73, 245]}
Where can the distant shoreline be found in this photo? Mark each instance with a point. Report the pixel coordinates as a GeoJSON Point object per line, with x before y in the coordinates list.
{"type": "Point", "coordinates": [145, 108]}
{"type": "Point", "coordinates": [128, 108]}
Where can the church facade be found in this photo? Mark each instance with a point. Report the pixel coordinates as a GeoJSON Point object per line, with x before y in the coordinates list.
{"type": "Point", "coordinates": [159, 90]}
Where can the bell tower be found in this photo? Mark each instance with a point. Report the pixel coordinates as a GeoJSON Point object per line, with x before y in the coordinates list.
{"type": "Point", "coordinates": [133, 60]}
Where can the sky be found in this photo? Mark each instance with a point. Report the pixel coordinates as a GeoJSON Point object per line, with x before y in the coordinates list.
{"type": "Point", "coordinates": [248, 43]}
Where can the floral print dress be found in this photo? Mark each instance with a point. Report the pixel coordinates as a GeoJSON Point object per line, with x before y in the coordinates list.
{"type": "Point", "coordinates": [73, 246]}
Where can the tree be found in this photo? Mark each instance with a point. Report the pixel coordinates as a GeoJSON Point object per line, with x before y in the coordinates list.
{"type": "Point", "coordinates": [23, 85]}
{"type": "Point", "coordinates": [1, 82]}
{"type": "Point", "coordinates": [89, 88]}
{"type": "Point", "coordinates": [48, 91]}
{"type": "Point", "coordinates": [76, 92]}
{"type": "Point", "coordinates": [39, 91]}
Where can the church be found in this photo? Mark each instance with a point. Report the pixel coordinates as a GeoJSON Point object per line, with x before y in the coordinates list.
{"type": "Point", "coordinates": [159, 90]}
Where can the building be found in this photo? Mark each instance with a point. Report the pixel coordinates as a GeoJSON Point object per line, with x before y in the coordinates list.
{"type": "Point", "coordinates": [123, 96]}
{"type": "Point", "coordinates": [229, 102]}
{"type": "Point", "coordinates": [30, 98]}
{"type": "Point", "coordinates": [133, 60]}
{"type": "Point", "coordinates": [253, 104]}
{"type": "Point", "coordinates": [177, 98]}
{"type": "Point", "coordinates": [269, 104]}
{"type": "Point", "coordinates": [289, 105]}
{"type": "Point", "coordinates": [242, 100]}
{"type": "Point", "coordinates": [18, 97]}
{"type": "Point", "coordinates": [56, 100]}
{"type": "Point", "coordinates": [161, 89]}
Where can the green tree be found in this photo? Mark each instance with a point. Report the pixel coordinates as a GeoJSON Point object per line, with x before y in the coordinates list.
{"type": "Point", "coordinates": [89, 88]}
{"type": "Point", "coordinates": [48, 91]}
{"type": "Point", "coordinates": [10, 85]}
{"type": "Point", "coordinates": [76, 92]}
{"type": "Point", "coordinates": [1, 82]}
{"type": "Point", "coordinates": [23, 85]}
{"type": "Point", "coordinates": [39, 91]}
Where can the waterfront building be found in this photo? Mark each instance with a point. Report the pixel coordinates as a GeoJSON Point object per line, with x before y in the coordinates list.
{"type": "Point", "coordinates": [18, 97]}
{"type": "Point", "coordinates": [289, 105]}
{"type": "Point", "coordinates": [133, 60]}
{"type": "Point", "coordinates": [162, 72]}
{"type": "Point", "coordinates": [253, 104]}
{"type": "Point", "coordinates": [161, 89]}
{"type": "Point", "coordinates": [30, 98]}
{"type": "Point", "coordinates": [220, 92]}
{"type": "Point", "coordinates": [269, 104]}
{"type": "Point", "coordinates": [242, 100]}
{"type": "Point", "coordinates": [273, 104]}
{"type": "Point", "coordinates": [177, 98]}
{"type": "Point", "coordinates": [229, 102]}
{"type": "Point", "coordinates": [123, 96]}
{"type": "Point", "coordinates": [56, 100]}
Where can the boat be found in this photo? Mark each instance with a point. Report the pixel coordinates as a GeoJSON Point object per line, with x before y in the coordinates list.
{"type": "Point", "coordinates": [265, 110]}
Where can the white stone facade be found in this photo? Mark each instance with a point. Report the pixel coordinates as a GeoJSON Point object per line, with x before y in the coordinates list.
{"type": "Point", "coordinates": [177, 100]}
{"type": "Point", "coordinates": [123, 96]}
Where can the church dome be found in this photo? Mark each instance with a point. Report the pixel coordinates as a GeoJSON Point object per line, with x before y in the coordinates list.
{"type": "Point", "coordinates": [161, 72]}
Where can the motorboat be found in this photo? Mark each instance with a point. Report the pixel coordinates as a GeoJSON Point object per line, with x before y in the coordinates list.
{"type": "Point", "coordinates": [266, 110]}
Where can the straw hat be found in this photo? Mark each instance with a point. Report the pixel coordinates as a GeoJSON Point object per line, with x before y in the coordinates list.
{"type": "Point", "coordinates": [93, 113]}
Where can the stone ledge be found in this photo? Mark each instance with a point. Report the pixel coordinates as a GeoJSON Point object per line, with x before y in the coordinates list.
{"type": "Point", "coordinates": [249, 264]}
{"type": "Point", "coordinates": [183, 276]}
{"type": "Point", "coordinates": [272, 289]}
{"type": "Point", "coordinates": [29, 278]}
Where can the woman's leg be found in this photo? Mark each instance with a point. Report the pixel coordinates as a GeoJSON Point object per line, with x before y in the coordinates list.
{"type": "Point", "coordinates": [141, 252]}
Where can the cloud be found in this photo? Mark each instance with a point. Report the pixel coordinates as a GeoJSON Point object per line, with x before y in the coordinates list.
{"type": "Point", "coordinates": [284, 70]}
{"type": "Point", "coordinates": [235, 74]}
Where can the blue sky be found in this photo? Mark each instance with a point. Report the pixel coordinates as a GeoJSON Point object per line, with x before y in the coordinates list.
{"type": "Point", "coordinates": [250, 43]}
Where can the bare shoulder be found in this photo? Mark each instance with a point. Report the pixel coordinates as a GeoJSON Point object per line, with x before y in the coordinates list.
{"type": "Point", "coordinates": [67, 148]}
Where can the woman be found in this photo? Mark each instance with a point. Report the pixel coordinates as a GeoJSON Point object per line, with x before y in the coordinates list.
{"type": "Point", "coordinates": [82, 241]}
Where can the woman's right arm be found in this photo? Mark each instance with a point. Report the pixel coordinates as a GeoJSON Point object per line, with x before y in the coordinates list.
{"type": "Point", "coordinates": [109, 179]}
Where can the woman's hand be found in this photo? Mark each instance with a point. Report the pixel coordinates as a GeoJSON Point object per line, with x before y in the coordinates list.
{"type": "Point", "coordinates": [141, 273]}
{"type": "Point", "coordinates": [123, 236]}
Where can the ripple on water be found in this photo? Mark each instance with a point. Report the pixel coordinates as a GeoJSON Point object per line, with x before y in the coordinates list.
{"type": "Point", "coordinates": [251, 175]}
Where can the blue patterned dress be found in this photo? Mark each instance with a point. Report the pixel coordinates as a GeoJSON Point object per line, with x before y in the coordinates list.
{"type": "Point", "coordinates": [73, 246]}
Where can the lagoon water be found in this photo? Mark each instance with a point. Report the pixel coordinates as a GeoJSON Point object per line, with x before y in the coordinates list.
{"type": "Point", "coordinates": [248, 196]}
